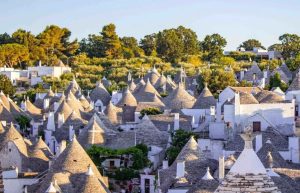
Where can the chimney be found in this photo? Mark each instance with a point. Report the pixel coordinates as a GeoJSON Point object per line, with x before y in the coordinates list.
{"type": "Point", "coordinates": [46, 103]}
{"type": "Point", "coordinates": [169, 128]}
{"type": "Point", "coordinates": [219, 111]}
{"type": "Point", "coordinates": [258, 142]}
{"type": "Point", "coordinates": [56, 105]}
{"type": "Point", "coordinates": [212, 110]}
{"type": "Point", "coordinates": [169, 141]}
{"type": "Point", "coordinates": [50, 163]}
{"type": "Point", "coordinates": [176, 121]}
{"type": "Point", "coordinates": [237, 103]}
{"type": "Point", "coordinates": [48, 138]}
{"type": "Point", "coordinates": [180, 169]}
{"type": "Point", "coordinates": [71, 132]}
{"type": "Point", "coordinates": [40, 63]}
{"type": "Point", "coordinates": [242, 75]}
{"type": "Point", "coordinates": [61, 120]}
{"type": "Point", "coordinates": [193, 121]}
{"type": "Point", "coordinates": [165, 164]}
{"type": "Point", "coordinates": [221, 168]}
{"type": "Point", "coordinates": [129, 77]}
{"type": "Point", "coordinates": [62, 146]}
{"type": "Point", "coordinates": [265, 72]}
{"type": "Point", "coordinates": [51, 123]}
{"type": "Point", "coordinates": [23, 105]}
{"type": "Point", "coordinates": [294, 149]}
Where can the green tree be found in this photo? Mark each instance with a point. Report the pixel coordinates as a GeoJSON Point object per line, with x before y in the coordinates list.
{"type": "Point", "coordinates": [130, 47]}
{"type": "Point", "coordinates": [31, 43]}
{"type": "Point", "coordinates": [276, 47]}
{"type": "Point", "coordinates": [92, 46]}
{"type": "Point", "coordinates": [189, 39]}
{"type": "Point", "coordinates": [179, 139]}
{"type": "Point", "coordinates": [213, 46]}
{"type": "Point", "coordinates": [293, 63]}
{"type": "Point", "coordinates": [204, 77]}
{"type": "Point", "coordinates": [150, 111]}
{"type": "Point", "coordinates": [245, 83]}
{"type": "Point", "coordinates": [13, 54]}
{"type": "Point", "coordinates": [290, 45]}
{"type": "Point", "coordinates": [275, 81]}
{"type": "Point", "coordinates": [226, 61]}
{"type": "Point", "coordinates": [5, 39]}
{"type": "Point", "coordinates": [250, 44]}
{"type": "Point", "coordinates": [6, 86]}
{"type": "Point", "coordinates": [56, 42]}
{"type": "Point", "coordinates": [24, 123]}
{"type": "Point", "coordinates": [148, 44]}
{"type": "Point", "coordinates": [220, 80]}
{"type": "Point", "coordinates": [169, 45]}
{"type": "Point", "coordinates": [111, 42]}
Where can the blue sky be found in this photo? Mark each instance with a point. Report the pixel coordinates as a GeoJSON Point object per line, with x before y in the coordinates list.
{"type": "Point", "coordinates": [236, 20]}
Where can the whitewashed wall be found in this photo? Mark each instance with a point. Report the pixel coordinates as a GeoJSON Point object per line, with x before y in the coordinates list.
{"type": "Point", "coordinates": [17, 185]}
{"type": "Point", "coordinates": [276, 114]}
{"type": "Point", "coordinates": [10, 156]}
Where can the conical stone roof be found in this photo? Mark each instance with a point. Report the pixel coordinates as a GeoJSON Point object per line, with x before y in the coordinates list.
{"type": "Point", "coordinates": [132, 86]}
{"type": "Point", "coordinates": [73, 87]}
{"type": "Point", "coordinates": [94, 132]}
{"type": "Point", "coordinates": [100, 92]}
{"type": "Point", "coordinates": [5, 115]}
{"type": "Point", "coordinates": [179, 99]}
{"type": "Point", "coordinates": [112, 112]}
{"type": "Point", "coordinates": [205, 100]}
{"type": "Point", "coordinates": [69, 170]}
{"type": "Point", "coordinates": [248, 173]}
{"type": "Point", "coordinates": [195, 167]}
{"type": "Point", "coordinates": [272, 98]}
{"type": "Point", "coordinates": [91, 183]}
{"type": "Point", "coordinates": [74, 103]}
{"type": "Point", "coordinates": [64, 109]}
{"type": "Point", "coordinates": [152, 76]}
{"type": "Point", "coordinates": [32, 109]}
{"type": "Point", "coordinates": [10, 134]}
{"type": "Point", "coordinates": [127, 99]}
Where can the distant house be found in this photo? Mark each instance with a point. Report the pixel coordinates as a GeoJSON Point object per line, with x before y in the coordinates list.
{"type": "Point", "coordinates": [33, 75]}
{"type": "Point", "coordinates": [259, 52]}
{"type": "Point", "coordinates": [36, 73]}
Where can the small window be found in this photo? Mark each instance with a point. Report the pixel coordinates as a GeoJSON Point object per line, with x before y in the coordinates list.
{"type": "Point", "coordinates": [111, 163]}
{"type": "Point", "coordinates": [9, 150]}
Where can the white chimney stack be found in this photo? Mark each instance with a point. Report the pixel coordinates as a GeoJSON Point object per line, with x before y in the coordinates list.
{"type": "Point", "coordinates": [219, 112]}
{"type": "Point", "coordinates": [180, 170]}
{"type": "Point", "coordinates": [46, 103]}
{"type": "Point", "coordinates": [51, 123]}
{"type": "Point", "coordinates": [23, 105]}
{"type": "Point", "coordinates": [294, 149]}
{"type": "Point", "coordinates": [258, 142]}
{"type": "Point", "coordinates": [56, 105]}
{"type": "Point", "coordinates": [61, 120]}
{"type": "Point", "coordinates": [165, 164]}
{"type": "Point", "coordinates": [176, 121]}
{"type": "Point", "coordinates": [71, 132]}
{"type": "Point", "coordinates": [221, 168]}
{"type": "Point", "coordinates": [242, 74]}
{"type": "Point", "coordinates": [62, 146]}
